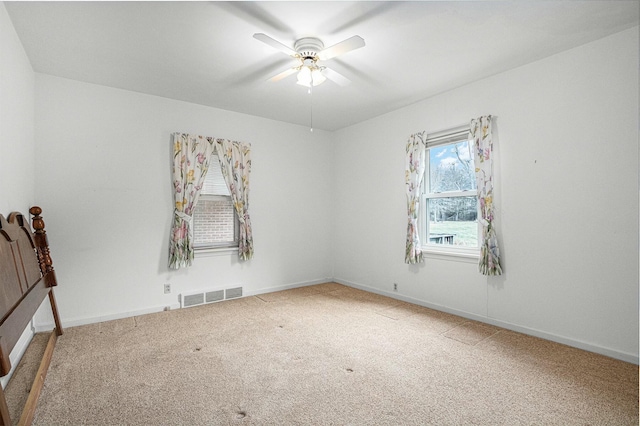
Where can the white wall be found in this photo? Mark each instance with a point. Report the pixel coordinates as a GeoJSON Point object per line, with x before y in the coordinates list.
{"type": "Point", "coordinates": [567, 214]}
{"type": "Point", "coordinates": [107, 200]}
{"type": "Point", "coordinates": [567, 147]}
{"type": "Point", "coordinates": [17, 143]}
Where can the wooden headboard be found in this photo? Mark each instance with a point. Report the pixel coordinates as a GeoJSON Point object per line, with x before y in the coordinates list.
{"type": "Point", "coordinates": [27, 277]}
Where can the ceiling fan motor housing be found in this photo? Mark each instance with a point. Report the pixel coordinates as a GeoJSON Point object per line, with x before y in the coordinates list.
{"type": "Point", "coordinates": [308, 47]}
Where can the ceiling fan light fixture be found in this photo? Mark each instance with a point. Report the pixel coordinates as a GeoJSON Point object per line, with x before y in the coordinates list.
{"type": "Point", "coordinates": [317, 77]}
{"type": "Point", "coordinates": [308, 76]}
{"type": "Point", "coordinates": [304, 77]}
{"type": "Point", "coordinates": [310, 50]}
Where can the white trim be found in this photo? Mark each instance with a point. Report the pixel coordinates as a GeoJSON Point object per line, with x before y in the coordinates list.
{"type": "Point", "coordinates": [214, 251]}
{"type": "Point", "coordinates": [440, 251]}
{"type": "Point", "coordinates": [93, 320]}
{"type": "Point", "coordinates": [288, 286]}
{"type": "Point", "coordinates": [214, 197]}
{"type": "Point", "coordinates": [623, 356]}
{"type": "Point", "coordinates": [121, 315]}
{"type": "Point", "coordinates": [18, 351]}
{"type": "Point", "coordinates": [450, 194]}
{"type": "Point", "coordinates": [449, 135]}
{"type": "Point", "coordinates": [458, 254]}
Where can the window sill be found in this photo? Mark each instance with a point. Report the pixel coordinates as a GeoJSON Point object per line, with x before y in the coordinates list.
{"type": "Point", "coordinates": [214, 251]}
{"type": "Point", "coordinates": [453, 254]}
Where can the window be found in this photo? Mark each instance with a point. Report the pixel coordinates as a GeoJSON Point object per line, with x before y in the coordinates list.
{"type": "Point", "coordinates": [449, 220]}
{"type": "Point", "coordinates": [215, 222]}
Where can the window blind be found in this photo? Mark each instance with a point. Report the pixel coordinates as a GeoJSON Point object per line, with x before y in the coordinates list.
{"type": "Point", "coordinates": [214, 183]}
{"type": "Point", "coordinates": [453, 135]}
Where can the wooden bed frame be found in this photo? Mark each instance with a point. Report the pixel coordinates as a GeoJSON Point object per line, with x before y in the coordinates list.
{"type": "Point", "coordinates": [26, 278]}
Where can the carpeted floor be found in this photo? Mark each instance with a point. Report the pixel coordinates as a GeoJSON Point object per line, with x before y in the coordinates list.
{"type": "Point", "coordinates": [323, 355]}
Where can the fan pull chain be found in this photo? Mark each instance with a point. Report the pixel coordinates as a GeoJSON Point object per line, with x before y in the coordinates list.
{"type": "Point", "coordinates": [311, 97]}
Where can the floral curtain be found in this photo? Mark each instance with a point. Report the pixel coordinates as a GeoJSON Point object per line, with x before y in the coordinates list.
{"type": "Point", "coordinates": [414, 173]}
{"type": "Point", "coordinates": [190, 163]}
{"type": "Point", "coordinates": [489, 252]}
{"type": "Point", "coordinates": [235, 162]}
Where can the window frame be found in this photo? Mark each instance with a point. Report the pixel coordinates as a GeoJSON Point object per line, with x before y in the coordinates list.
{"type": "Point", "coordinates": [444, 251]}
{"type": "Point", "coordinates": [225, 246]}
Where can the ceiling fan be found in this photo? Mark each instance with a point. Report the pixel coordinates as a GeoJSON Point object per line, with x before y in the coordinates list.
{"type": "Point", "coordinates": [308, 51]}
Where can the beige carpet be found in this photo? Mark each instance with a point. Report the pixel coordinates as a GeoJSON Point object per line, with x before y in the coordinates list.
{"type": "Point", "coordinates": [325, 355]}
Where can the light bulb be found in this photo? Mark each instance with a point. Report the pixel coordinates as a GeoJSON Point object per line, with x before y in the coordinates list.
{"type": "Point", "coordinates": [304, 77]}
{"type": "Point", "coordinates": [317, 77]}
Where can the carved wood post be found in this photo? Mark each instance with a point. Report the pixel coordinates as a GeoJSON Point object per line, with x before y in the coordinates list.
{"type": "Point", "coordinates": [42, 247]}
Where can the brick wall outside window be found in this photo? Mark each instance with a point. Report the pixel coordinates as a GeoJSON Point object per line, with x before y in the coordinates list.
{"type": "Point", "coordinates": [213, 221]}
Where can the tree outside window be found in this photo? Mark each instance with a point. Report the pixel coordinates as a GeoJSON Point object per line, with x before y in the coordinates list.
{"type": "Point", "coordinates": [450, 198]}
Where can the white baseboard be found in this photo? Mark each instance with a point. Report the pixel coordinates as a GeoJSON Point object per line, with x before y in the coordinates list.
{"type": "Point", "coordinates": [93, 320]}
{"type": "Point", "coordinates": [289, 286]}
{"type": "Point", "coordinates": [623, 356]}
{"type": "Point", "coordinates": [74, 322]}
{"type": "Point", "coordinates": [18, 351]}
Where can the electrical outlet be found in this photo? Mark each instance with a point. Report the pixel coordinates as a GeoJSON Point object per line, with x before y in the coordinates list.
{"type": "Point", "coordinates": [167, 288]}
{"type": "Point", "coordinates": [395, 286]}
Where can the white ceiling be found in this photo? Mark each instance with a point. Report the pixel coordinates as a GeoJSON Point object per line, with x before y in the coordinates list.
{"type": "Point", "coordinates": [205, 53]}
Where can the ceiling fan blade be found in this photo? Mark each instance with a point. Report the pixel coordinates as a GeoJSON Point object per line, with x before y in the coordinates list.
{"type": "Point", "coordinates": [336, 77]}
{"type": "Point", "coordinates": [253, 13]}
{"type": "Point", "coordinates": [252, 74]}
{"type": "Point", "coordinates": [344, 46]}
{"type": "Point", "coordinates": [358, 13]}
{"type": "Point", "coordinates": [275, 44]}
{"type": "Point", "coordinates": [345, 67]}
{"type": "Point", "coordinates": [283, 74]}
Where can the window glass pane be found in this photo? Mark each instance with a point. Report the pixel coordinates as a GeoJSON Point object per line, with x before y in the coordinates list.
{"type": "Point", "coordinates": [214, 222]}
{"type": "Point", "coordinates": [453, 221]}
{"type": "Point", "coordinates": [451, 167]}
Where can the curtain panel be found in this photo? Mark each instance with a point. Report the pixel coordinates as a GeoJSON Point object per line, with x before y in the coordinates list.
{"type": "Point", "coordinates": [235, 163]}
{"type": "Point", "coordinates": [191, 156]}
{"type": "Point", "coordinates": [480, 133]}
{"type": "Point", "coordinates": [414, 173]}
